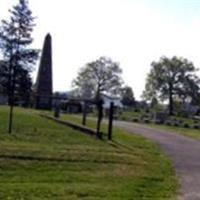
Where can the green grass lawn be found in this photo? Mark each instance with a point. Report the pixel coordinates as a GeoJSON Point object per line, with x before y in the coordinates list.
{"type": "Point", "coordinates": [129, 115]}
{"type": "Point", "coordinates": [45, 160]}
{"type": "Point", "coordinates": [188, 132]}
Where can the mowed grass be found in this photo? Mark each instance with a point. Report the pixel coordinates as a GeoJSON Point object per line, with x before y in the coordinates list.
{"type": "Point", "coordinates": [188, 132]}
{"type": "Point", "coordinates": [129, 115]}
{"type": "Point", "coordinates": [45, 160]}
{"type": "Point", "coordinates": [135, 143]}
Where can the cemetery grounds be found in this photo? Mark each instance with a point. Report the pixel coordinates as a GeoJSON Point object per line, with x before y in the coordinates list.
{"type": "Point", "coordinates": [46, 160]}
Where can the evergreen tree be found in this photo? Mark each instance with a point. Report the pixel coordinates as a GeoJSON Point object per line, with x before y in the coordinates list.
{"type": "Point", "coordinates": [15, 38]}
{"type": "Point", "coordinates": [3, 78]}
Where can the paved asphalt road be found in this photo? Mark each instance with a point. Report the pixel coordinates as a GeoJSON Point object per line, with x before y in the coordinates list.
{"type": "Point", "coordinates": [184, 152]}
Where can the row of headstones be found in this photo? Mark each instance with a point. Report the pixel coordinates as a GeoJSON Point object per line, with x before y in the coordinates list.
{"type": "Point", "coordinates": [164, 119]}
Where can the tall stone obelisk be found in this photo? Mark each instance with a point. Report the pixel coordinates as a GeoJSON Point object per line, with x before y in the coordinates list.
{"type": "Point", "coordinates": [43, 87]}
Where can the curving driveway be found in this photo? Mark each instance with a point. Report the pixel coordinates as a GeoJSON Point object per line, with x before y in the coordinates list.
{"type": "Point", "coordinates": [185, 154]}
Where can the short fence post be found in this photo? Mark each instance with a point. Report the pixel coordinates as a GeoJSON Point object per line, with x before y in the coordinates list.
{"type": "Point", "coordinates": [57, 111]}
{"type": "Point", "coordinates": [84, 113]}
{"type": "Point", "coordinates": [100, 116]}
{"type": "Point", "coordinates": [110, 121]}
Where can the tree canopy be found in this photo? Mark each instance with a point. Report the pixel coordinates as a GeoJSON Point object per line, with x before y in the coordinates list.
{"type": "Point", "coordinates": [97, 77]}
{"type": "Point", "coordinates": [15, 41]}
{"type": "Point", "coordinates": [127, 96]}
{"type": "Point", "coordinates": [18, 57]}
{"type": "Point", "coordinates": [169, 78]}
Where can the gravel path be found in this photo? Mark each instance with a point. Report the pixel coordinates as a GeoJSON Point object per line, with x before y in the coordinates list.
{"type": "Point", "coordinates": [184, 152]}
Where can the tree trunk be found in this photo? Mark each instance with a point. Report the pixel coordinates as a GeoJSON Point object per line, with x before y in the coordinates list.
{"type": "Point", "coordinates": [10, 97]}
{"type": "Point", "coordinates": [97, 97]}
{"type": "Point", "coordinates": [11, 104]}
{"type": "Point", "coordinates": [10, 119]}
{"type": "Point", "coordinates": [171, 106]}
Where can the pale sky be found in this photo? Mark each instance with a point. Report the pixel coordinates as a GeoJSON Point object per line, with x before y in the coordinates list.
{"type": "Point", "coordinates": [131, 32]}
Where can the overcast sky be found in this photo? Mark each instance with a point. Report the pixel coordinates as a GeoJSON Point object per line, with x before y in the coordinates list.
{"type": "Point", "coordinates": [131, 32]}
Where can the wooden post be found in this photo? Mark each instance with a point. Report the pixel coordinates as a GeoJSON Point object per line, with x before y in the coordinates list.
{"type": "Point", "coordinates": [110, 121]}
{"type": "Point", "coordinates": [100, 116]}
{"type": "Point", "coordinates": [57, 111]}
{"type": "Point", "coordinates": [84, 113]}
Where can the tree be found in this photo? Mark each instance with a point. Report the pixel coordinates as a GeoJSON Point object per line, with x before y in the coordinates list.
{"type": "Point", "coordinates": [168, 78]}
{"type": "Point", "coordinates": [23, 84]}
{"type": "Point", "coordinates": [97, 77]}
{"type": "Point", "coordinates": [4, 78]}
{"type": "Point", "coordinates": [15, 38]}
{"type": "Point", "coordinates": [190, 91]}
{"type": "Point", "coordinates": [127, 96]}
{"type": "Point", "coordinates": [154, 103]}
{"type": "Point", "coordinates": [23, 87]}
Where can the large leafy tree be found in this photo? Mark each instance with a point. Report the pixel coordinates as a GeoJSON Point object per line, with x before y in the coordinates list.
{"type": "Point", "coordinates": [15, 41]}
{"type": "Point", "coordinates": [170, 77]}
{"type": "Point", "coordinates": [97, 77]}
{"type": "Point", "coordinates": [190, 90]}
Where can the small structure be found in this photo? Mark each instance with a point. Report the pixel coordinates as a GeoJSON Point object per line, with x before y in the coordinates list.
{"type": "Point", "coordinates": [107, 100]}
{"type": "Point", "coordinates": [71, 106]}
{"type": "Point", "coordinates": [43, 87]}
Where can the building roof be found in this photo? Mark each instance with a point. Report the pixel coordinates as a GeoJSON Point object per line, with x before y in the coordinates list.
{"type": "Point", "coordinates": [108, 99]}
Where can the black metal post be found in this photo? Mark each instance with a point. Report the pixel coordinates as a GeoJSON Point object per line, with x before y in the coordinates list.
{"type": "Point", "coordinates": [110, 125]}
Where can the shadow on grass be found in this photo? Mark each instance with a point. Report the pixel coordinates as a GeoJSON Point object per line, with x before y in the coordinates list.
{"type": "Point", "coordinates": [118, 145]}
{"type": "Point", "coordinates": [53, 159]}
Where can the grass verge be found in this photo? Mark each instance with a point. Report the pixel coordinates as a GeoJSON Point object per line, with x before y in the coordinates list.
{"type": "Point", "coordinates": [188, 132]}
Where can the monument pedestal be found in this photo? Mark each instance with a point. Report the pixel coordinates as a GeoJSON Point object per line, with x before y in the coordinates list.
{"type": "Point", "coordinates": [43, 102]}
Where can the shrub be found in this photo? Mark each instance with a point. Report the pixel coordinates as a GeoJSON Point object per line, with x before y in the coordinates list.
{"type": "Point", "coordinates": [116, 117]}
{"type": "Point", "coordinates": [135, 120]}
{"type": "Point", "coordinates": [176, 124]}
{"type": "Point", "coordinates": [183, 114]}
{"type": "Point", "coordinates": [186, 125]}
{"type": "Point", "coordinates": [146, 121]}
{"type": "Point", "coordinates": [174, 119]}
{"type": "Point", "coordinates": [147, 110]}
{"type": "Point", "coordinates": [180, 121]}
{"type": "Point", "coordinates": [195, 121]}
{"type": "Point", "coordinates": [158, 122]}
{"type": "Point", "coordinates": [143, 116]}
{"type": "Point", "coordinates": [123, 118]}
{"type": "Point", "coordinates": [136, 110]}
{"type": "Point", "coordinates": [168, 123]}
{"type": "Point", "coordinates": [196, 126]}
